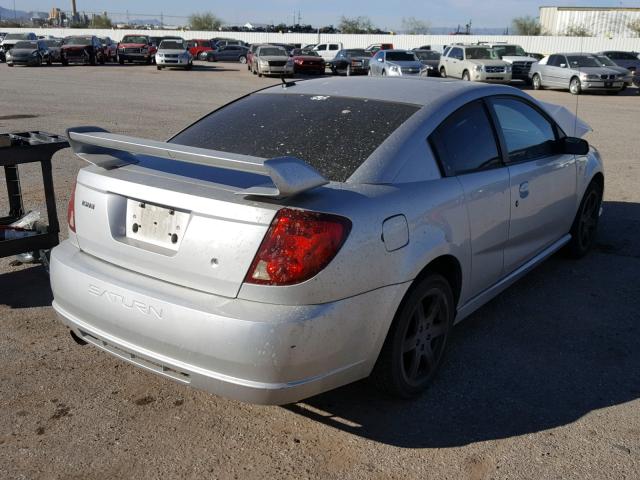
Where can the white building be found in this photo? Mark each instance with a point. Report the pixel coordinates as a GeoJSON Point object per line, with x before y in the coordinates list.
{"type": "Point", "coordinates": [598, 21]}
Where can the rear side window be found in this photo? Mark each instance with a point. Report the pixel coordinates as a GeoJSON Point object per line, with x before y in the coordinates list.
{"type": "Point", "coordinates": [335, 135]}
{"type": "Point", "coordinates": [527, 134]}
{"type": "Point", "coordinates": [465, 141]}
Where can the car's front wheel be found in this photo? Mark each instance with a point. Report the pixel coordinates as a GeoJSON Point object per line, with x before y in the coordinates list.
{"type": "Point", "coordinates": [536, 81]}
{"type": "Point", "coordinates": [465, 76]}
{"type": "Point", "coordinates": [415, 344]}
{"type": "Point", "coordinates": [575, 87]}
{"type": "Point", "coordinates": [585, 225]}
{"type": "Point", "coordinates": [443, 72]}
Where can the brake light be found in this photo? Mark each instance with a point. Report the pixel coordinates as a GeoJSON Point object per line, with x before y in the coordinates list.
{"type": "Point", "coordinates": [297, 246]}
{"type": "Point", "coordinates": [71, 210]}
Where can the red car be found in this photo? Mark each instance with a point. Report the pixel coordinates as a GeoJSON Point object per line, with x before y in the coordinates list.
{"type": "Point", "coordinates": [85, 49]}
{"type": "Point", "coordinates": [136, 48]}
{"type": "Point", "coordinates": [307, 61]}
{"type": "Point", "coordinates": [198, 48]}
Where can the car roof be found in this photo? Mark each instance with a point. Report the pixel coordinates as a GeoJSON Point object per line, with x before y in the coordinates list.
{"type": "Point", "coordinates": [416, 91]}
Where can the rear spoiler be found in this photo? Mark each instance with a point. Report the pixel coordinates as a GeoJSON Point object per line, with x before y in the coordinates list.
{"type": "Point", "coordinates": [290, 175]}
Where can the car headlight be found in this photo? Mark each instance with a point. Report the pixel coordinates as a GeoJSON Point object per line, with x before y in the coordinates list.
{"type": "Point", "coordinates": [585, 76]}
{"type": "Point", "coordinates": [394, 68]}
{"type": "Point", "coordinates": [429, 67]}
{"type": "Point", "coordinates": [508, 69]}
{"type": "Point", "coordinates": [478, 68]}
{"type": "Point", "coordinates": [263, 62]}
{"type": "Point", "coordinates": [34, 54]}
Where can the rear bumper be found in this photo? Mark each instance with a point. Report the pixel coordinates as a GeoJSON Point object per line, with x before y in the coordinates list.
{"type": "Point", "coordinates": [254, 352]}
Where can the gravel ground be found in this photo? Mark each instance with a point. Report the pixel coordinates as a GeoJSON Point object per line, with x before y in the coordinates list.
{"type": "Point", "coordinates": [543, 382]}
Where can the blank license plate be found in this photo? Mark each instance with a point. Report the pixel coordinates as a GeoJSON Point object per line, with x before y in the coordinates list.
{"type": "Point", "coordinates": [157, 225]}
{"type": "Point", "coordinates": [608, 84]}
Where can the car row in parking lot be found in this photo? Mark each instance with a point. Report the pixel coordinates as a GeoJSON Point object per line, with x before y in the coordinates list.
{"type": "Point", "coordinates": [498, 62]}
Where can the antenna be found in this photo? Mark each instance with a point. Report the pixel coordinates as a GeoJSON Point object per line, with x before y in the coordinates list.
{"type": "Point", "coordinates": [575, 120]}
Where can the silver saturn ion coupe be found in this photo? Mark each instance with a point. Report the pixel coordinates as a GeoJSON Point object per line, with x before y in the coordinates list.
{"type": "Point", "coordinates": [320, 232]}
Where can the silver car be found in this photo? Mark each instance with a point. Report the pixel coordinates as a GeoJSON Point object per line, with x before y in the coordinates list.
{"type": "Point", "coordinates": [173, 53]}
{"type": "Point", "coordinates": [474, 63]}
{"type": "Point", "coordinates": [269, 267]}
{"type": "Point", "coordinates": [577, 72]}
{"type": "Point", "coordinates": [395, 63]}
{"type": "Point", "coordinates": [271, 60]}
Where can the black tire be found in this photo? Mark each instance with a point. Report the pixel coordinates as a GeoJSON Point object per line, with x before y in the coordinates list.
{"type": "Point", "coordinates": [465, 76]}
{"type": "Point", "coordinates": [575, 87]}
{"type": "Point", "coordinates": [585, 226]}
{"type": "Point", "coordinates": [348, 71]}
{"type": "Point", "coordinates": [49, 60]}
{"type": "Point", "coordinates": [417, 339]}
{"type": "Point", "coordinates": [536, 81]}
{"type": "Point", "coordinates": [39, 64]}
{"type": "Point", "coordinates": [158, 67]}
{"type": "Point", "coordinates": [443, 72]}
{"type": "Point", "coordinates": [102, 60]}
{"type": "Point", "coordinates": [92, 59]}
{"type": "Point", "coordinates": [9, 64]}
{"type": "Point", "coordinates": [189, 67]}
{"type": "Point", "coordinates": [121, 60]}
{"type": "Point", "coordinates": [384, 73]}
{"type": "Point", "coordinates": [65, 63]}
{"type": "Point", "coordinates": [242, 59]}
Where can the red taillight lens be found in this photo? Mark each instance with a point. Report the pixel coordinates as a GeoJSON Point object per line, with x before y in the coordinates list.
{"type": "Point", "coordinates": [297, 246]}
{"type": "Point", "coordinates": [71, 210]}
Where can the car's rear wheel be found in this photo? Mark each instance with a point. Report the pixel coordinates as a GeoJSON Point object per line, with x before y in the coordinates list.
{"type": "Point", "coordinates": [443, 72]}
{"type": "Point", "coordinates": [39, 62]}
{"type": "Point", "coordinates": [384, 73]}
{"type": "Point", "coordinates": [536, 81]}
{"type": "Point", "coordinates": [585, 225]}
{"type": "Point", "coordinates": [121, 60]}
{"type": "Point", "coordinates": [575, 87]}
{"type": "Point", "coordinates": [466, 77]}
{"type": "Point", "coordinates": [242, 59]}
{"type": "Point", "coordinates": [348, 71]}
{"type": "Point", "coordinates": [415, 344]}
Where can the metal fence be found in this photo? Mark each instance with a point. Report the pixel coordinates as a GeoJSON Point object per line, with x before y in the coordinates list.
{"type": "Point", "coordinates": [542, 44]}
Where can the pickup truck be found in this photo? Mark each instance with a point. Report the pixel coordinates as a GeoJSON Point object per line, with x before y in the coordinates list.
{"type": "Point", "coordinates": [328, 51]}
{"type": "Point", "coordinates": [515, 56]}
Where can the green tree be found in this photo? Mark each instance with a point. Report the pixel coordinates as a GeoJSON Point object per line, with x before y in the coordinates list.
{"type": "Point", "coordinates": [204, 21]}
{"type": "Point", "coordinates": [101, 21]}
{"type": "Point", "coordinates": [355, 25]}
{"type": "Point", "coordinates": [634, 26]}
{"type": "Point", "coordinates": [526, 25]}
{"type": "Point", "coordinates": [413, 26]}
{"type": "Point", "coordinates": [578, 31]}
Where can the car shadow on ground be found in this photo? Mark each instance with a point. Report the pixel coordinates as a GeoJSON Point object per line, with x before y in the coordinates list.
{"type": "Point", "coordinates": [559, 344]}
{"type": "Point", "coordinates": [25, 288]}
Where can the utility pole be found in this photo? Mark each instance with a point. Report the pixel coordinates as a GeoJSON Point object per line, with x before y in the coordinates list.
{"type": "Point", "coordinates": [161, 21]}
{"type": "Point", "coordinates": [15, 15]}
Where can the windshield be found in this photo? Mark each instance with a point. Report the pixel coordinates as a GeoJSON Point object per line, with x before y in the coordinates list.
{"type": "Point", "coordinates": [17, 36]}
{"type": "Point", "coordinates": [77, 41]}
{"type": "Point", "coordinates": [135, 39]}
{"type": "Point", "coordinates": [356, 52]}
{"type": "Point", "coordinates": [53, 43]}
{"type": "Point", "coordinates": [401, 57]}
{"type": "Point", "coordinates": [335, 135]}
{"type": "Point", "coordinates": [605, 61]}
{"type": "Point", "coordinates": [27, 45]}
{"type": "Point", "coordinates": [275, 52]}
{"type": "Point", "coordinates": [172, 45]}
{"type": "Point", "coordinates": [576, 61]}
{"type": "Point", "coordinates": [308, 53]}
{"type": "Point", "coordinates": [427, 55]}
{"type": "Point", "coordinates": [480, 53]}
{"type": "Point", "coordinates": [509, 50]}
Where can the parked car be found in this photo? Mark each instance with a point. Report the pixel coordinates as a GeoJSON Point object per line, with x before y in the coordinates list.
{"type": "Point", "coordinates": [225, 42]}
{"type": "Point", "coordinates": [173, 53]}
{"type": "Point", "coordinates": [136, 48]}
{"type": "Point", "coordinates": [199, 48]}
{"type": "Point", "coordinates": [85, 49]}
{"type": "Point", "coordinates": [30, 53]}
{"type": "Point", "coordinates": [577, 72]}
{"type": "Point", "coordinates": [229, 53]}
{"type": "Point", "coordinates": [271, 60]}
{"type": "Point", "coordinates": [395, 63]}
{"type": "Point", "coordinates": [627, 75]}
{"type": "Point", "coordinates": [476, 63]}
{"type": "Point", "coordinates": [110, 49]}
{"type": "Point", "coordinates": [54, 45]}
{"type": "Point", "coordinates": [376, 47]}
{"type": "Point", "coordinates": [307, 61]}
{"type": "Point", "coordinates": [537, 56]}
{"type": "Point", "coordinates": [350, 61]}
{"type": "Point", "coordinates": [515, 56]}
{"type": "Point", "coordinates": [328, 51]}
{"type": "Point", "coordinates": [430, 61]}
{"type": "Point", "coordinates": [326, 261]}
{"type": "Point", "coordinates": [628, 60]}
{"type": "Point", "coordinates": [252, 49]}
{"type": "Point", "coordinates": [11, 39]}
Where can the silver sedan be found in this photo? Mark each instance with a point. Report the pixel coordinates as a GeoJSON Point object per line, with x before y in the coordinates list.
{"type": "Point", "coordinates": [268, 266]}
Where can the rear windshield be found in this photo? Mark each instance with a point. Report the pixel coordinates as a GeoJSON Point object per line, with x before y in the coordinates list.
{"type": "Point", "coordinates": [335, 135]}
{"type": "Point", "coordinates": [427, 55]}
{"type": "Point", "coordinates": [401, 56]}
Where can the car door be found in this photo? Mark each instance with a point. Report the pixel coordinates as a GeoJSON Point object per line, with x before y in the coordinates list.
{"type": "Point", "coordinates": [466, 146]}
{"type": "Point", "coordinates": [542, 180]}
{"type": "Point", "coordinates": [376, 63]}
{"type": "Point", "coordinates": [228, 53]}
{"type": "Point", "coordinates": [456, 57]}
{"type": "Point", "coordinates": [551, 72]}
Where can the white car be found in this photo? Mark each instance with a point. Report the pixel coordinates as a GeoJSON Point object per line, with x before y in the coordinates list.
{"type": "Point", "coordinates": [173, 53]}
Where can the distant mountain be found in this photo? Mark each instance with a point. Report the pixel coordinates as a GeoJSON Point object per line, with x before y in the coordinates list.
{"type": "Point", "coordinates": [8, 14]}
{"type": "Point", "coordinates": [151, 21]}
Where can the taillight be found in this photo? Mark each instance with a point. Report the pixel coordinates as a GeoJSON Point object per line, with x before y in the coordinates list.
{"type": "Point", "coordinates": [71, 210]}
{"type": "Point", "coordinates": [297, 246]}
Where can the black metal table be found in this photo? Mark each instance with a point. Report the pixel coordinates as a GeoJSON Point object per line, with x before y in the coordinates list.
{"type": "Point", "coordinates": [17, 149]}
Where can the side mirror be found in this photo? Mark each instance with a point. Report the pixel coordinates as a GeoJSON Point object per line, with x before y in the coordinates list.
{"type": "Point", "coordinates": [574, 146]}
{"type": "Point", "coordinates": [563, 65]}
{"type": "Point", "coordinates": [379, 59]}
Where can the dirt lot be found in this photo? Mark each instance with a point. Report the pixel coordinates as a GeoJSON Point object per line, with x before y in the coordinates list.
{"type": "Point", "coordinates": [543, 382]}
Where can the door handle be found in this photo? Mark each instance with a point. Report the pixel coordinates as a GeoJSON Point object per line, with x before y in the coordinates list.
{"type": "Point", "coordinates": [524, 189]}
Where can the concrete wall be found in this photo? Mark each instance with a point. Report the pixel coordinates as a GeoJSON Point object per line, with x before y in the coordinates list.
{"type": "Point", "coordinates": [601, 22]}
{"type": "Point", "coordinates": [545, 45]}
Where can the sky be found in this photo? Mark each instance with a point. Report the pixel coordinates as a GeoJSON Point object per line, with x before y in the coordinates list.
{"type": "Point", "coordinates": [385, 14]}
